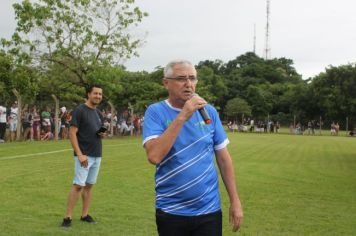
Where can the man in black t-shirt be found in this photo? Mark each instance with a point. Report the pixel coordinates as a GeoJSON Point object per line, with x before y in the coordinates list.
{"type": "Point", "coordinates": [85, 136]}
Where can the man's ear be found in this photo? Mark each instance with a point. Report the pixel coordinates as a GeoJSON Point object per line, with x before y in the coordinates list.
{"type": "Point", "coordinates": [165, 83]}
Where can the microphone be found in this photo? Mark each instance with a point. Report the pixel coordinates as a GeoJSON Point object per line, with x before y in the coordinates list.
{"type": "Point", "coordinates": [204, 114]}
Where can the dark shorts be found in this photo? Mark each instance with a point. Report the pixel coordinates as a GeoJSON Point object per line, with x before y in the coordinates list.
{"type": "Point", "coordinates": [176, 225]}
{"type": "Point", "coordinates": [26, 125]}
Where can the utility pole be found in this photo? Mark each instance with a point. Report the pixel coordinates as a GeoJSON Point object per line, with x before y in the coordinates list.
{"type": "Point", "coordinates": [267, 50]}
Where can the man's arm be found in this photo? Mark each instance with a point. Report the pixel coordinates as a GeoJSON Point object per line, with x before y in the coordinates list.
{"type": "Point", "coordinates": [158, 148]}
{"type": "Point", "coordinates": [74, 141]}
{"type": "Point", "coordinates": [224, 162]}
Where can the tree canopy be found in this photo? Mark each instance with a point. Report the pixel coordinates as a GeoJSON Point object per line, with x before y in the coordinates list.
{"type": "Point", "coordinates": [59, 47]}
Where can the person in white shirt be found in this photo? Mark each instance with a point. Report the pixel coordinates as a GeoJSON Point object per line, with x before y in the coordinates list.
{"type": "Point", "coordinates": [13, 121]}
{"type": "Point", "coordinates": [2, 123]}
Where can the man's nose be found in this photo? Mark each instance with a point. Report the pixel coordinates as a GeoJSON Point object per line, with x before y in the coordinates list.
{"type": "Point", "coordinates": [188, 82]}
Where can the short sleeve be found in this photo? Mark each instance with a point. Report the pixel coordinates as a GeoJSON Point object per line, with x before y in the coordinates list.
{"type": "Point", "coordinates": [220, 138]}
{"type": "Point", "coordinates": [76, 116]}
{"type": "Point", "coordinates": [152, 126]}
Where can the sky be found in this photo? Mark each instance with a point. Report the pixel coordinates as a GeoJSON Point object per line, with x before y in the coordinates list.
{"type": "Point", "coordinates": [313, 33]}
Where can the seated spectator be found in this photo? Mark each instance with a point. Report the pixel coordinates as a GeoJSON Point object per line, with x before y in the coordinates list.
{"type": "Point", "coordinates": [46, 135]}
{"type": "Point", "coordinates": [124, 128]}
{"type": "Point", "coordinates": [243, 128]}
{"type": "Point", "coordinates": [46, 119]}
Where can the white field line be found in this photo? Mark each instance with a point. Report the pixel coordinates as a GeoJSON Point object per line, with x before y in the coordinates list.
{"type": "Point", "coordinates": [57, 151]}
{"type": "Point", "coordinates": [34, 154]}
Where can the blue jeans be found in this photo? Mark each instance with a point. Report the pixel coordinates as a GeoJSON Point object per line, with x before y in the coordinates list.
{"type": "Point", "coordinates": [176, 225]}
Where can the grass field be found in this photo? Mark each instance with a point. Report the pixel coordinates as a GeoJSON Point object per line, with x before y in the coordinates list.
{"type": "Point", "coordinates": [289, 185]}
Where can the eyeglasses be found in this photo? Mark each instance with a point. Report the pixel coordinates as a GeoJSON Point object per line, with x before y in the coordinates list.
{"type": "Point", "coordinates": [184, 79]}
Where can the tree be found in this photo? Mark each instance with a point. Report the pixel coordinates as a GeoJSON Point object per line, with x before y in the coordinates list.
{"type": "Point", "coordinates": [5, 80]}
{"type": "Point", "coordinates": [20, 77]}
{"type": "Point", "coordinates": [242, 61]}
{"type": "Point", "coordinates": [77, 35]}
{"type": "Point", "coordinates": [237, 106]}
{"type": "Point", "coordinates": [217, 66]}
{"type": "Point", "coordinates": [333, 92]}
{"type": "Point", "coordinates": [211, 86]}
{"type": "Point", "coordinates": [261, 99]}
{"type": "Point", "coordinates": [140, 90]}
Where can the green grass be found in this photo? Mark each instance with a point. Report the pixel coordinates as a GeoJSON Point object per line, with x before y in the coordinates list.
{"type": "Point", "coordinates": [289, 185]}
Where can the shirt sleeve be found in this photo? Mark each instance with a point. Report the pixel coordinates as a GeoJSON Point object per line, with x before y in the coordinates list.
{"type": "Point", "coordinates": [220, 138]}
{"type": "Point", "coordinates": [76, 115]}
{"type": "Point", "coordinates": [152, 126]}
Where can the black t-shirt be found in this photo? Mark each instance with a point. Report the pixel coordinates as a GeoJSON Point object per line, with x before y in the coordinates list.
{"type": "Point", "coordinates": [88, 121]}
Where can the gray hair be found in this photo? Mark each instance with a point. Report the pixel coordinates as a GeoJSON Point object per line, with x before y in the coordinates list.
{"type": "Point", "coordinates": [168, 70]}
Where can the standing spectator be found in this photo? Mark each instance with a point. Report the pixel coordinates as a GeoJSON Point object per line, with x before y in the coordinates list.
{"type": "Point", "coordinates": [114, 122]}
{"type": "Point", "coordinates": [182, 147]}
{"type": "Point", "coordinates": [332, 129]}
{"type": "Point", "coordinates": [27, 122]}
{"type": "Point", "coordinates": [13, 121]}
{"type": "Point", "coordinates": [337, 128]}
{"type": "Point", "coordinates": [313, 127]}
{"type": "Point", "coordinates": [271, 126]}
{"type": "Point", "coordinates": [36, 123]}
{"type": "Point", "coordinates": [234, 127]}
{"type": "Point", "coordinates": [298, 129]}
{"type": "Point", "coordinates": [137, 124]}
{"type": "Point", "coordinates": [85, 136]}
{"type": "Point", "coordinates": [252, 125]}
{"type": "Point", "coordinates": [64, 123]}
{"type": "Point", "coordinates": [2, 124]}
{"type": "Point", "coordinates": [266, 126]}
{"type": "Point", "coordinates": [309, 127]}
{"type": "Point", "coordinates": [291, 128]}
{"type": "Point", "coordinates": [277, 126]}
{"type": "Point", "coordinates": [142, 120]}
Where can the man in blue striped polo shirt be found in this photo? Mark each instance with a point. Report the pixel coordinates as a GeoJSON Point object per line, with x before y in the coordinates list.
{"type": "Point", "coordinates": [182, 146]}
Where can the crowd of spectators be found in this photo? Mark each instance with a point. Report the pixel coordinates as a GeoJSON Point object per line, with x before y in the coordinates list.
{"type": "Point", "coordinates": [39, 124]}
{"type": "Point", "coordinates": [270, 126]}
{"type": "Point", "coordinates": [249, 125]}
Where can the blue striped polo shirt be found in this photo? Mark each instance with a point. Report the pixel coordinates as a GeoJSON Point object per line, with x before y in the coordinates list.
{"type": "Point", "coordinates": [186, 179]}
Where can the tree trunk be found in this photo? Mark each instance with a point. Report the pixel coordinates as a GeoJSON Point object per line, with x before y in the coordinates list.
{"type": "Point", "coordinates": [131, 117]}
{"type": "Point", "coordinates": [56, 113]}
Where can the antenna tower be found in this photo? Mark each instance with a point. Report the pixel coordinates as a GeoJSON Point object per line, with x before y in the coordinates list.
{"type": "Point", "coordinates": [267, 51]}
{"type": "Point", "coordinates": [254, 38]}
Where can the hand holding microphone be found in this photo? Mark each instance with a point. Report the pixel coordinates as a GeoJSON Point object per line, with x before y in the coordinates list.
{"type": "Point", "coordinates": [204, 114]}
